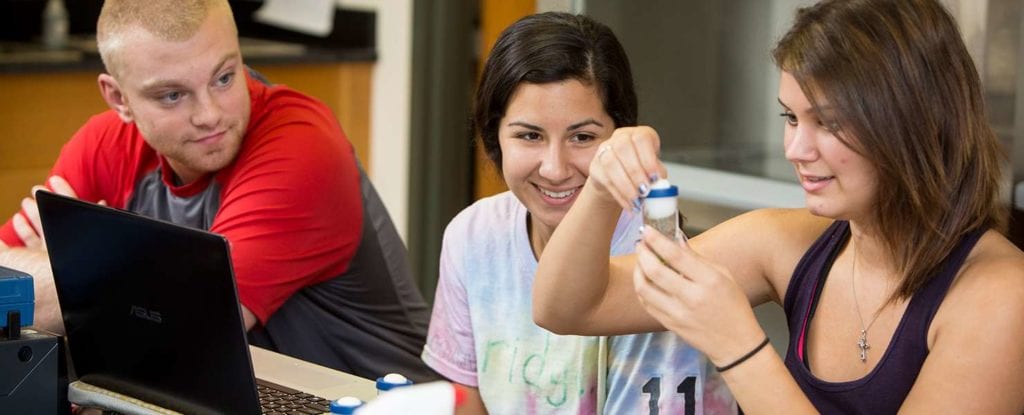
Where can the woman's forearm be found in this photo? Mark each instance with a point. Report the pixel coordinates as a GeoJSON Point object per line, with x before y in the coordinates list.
{"type": "Point", "coordinates": [573, 274]}
{"type": "Point", "coordinates": [763, 385]}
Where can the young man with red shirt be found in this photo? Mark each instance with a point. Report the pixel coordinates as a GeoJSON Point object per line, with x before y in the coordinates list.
{"type": "Point", "coordinates": [193, 138]}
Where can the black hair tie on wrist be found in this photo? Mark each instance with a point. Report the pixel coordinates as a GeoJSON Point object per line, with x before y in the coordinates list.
{"type": "Point", "coordinates": [744, 358]}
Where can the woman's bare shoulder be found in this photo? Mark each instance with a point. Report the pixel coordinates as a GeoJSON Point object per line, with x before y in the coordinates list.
{"type": "Point", "coordinates": [995, 264]}
{"type": "Point", "coordinates": [990, 285]}
{"type": "Point", "coordinates": [977, 330]}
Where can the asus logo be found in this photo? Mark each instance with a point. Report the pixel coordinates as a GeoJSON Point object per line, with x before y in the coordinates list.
{"type": "Point", "coordinates": [145, 314]}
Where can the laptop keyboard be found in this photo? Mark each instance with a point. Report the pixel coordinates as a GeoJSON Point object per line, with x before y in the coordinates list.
{"type": "Point", "coordinates": [276, 399]}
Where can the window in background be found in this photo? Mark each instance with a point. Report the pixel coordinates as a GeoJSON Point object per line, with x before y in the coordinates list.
{"type": "Point", "coordinates": [706, 81]}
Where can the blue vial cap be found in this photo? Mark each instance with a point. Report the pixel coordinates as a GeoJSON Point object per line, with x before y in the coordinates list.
{"type": "Point", "coordinates": [385, 384]}
{"type": "Point", "coordinates": [345, 406]}
{"type": "Point", "coordinates": [671, 191]}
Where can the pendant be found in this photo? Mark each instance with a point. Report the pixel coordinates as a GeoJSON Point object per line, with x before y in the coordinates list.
{"type": "Point", "coordinates": [863, 345]}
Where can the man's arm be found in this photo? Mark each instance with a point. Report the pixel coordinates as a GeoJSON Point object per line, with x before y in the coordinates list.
{"type": "Point", "coordinates": [292, 212]}
{"type": "Point", "coordinates": [33, 259]}
{"type": "Point", "coordinates": [36, 263]}
{"type": "Point", "coordinates": [247, 317]}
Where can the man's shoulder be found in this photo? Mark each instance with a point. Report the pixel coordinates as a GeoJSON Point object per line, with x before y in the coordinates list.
{"type": "Point", "coordinates": [279, 105]}
{"type": "Point", "coordinates": [286, 121]}
{"type": "Point", "coordinates": [105, 132]}
{"type": "Point", "coordinates": [291, 130]}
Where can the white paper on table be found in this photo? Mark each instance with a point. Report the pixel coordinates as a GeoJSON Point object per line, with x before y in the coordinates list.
{"type": "Point", "coordinates": [313, 17]}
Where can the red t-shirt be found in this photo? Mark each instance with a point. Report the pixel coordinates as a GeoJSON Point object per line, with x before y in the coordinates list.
{"type": "Point", "coordinates": [289, 204]}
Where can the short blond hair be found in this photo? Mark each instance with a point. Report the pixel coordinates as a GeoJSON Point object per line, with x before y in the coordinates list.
{"type": "Point", "coordinates": [172, 20]}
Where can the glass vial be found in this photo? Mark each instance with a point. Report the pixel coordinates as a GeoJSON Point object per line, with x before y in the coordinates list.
{"type": "Point", "coordinates": [660, 209]}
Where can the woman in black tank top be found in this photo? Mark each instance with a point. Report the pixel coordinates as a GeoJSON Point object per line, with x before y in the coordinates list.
{"type": "Point", "coordinates": [900, 292]}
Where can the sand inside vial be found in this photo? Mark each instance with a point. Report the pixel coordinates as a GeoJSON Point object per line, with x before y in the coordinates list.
{"type": "Point", "coordinates": [666, 225]}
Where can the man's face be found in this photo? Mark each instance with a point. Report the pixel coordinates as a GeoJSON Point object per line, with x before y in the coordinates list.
{"type": "Point", "coordinates": [188, 99]}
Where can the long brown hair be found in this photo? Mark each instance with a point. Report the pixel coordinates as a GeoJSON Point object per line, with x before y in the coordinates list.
{"type": "Point", "coordinates": [908, 98]}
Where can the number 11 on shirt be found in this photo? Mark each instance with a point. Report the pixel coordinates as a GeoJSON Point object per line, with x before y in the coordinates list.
{"type": "Point", "coordinates": [687, 388]}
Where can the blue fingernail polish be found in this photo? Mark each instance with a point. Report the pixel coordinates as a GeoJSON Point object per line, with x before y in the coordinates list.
{"type": "Point", "coordinates": [654, 177]}
{"type": "Point", "coordinates": [644, 190]}
{"type": "Point", "coordinates": [641, 228]}
{"type": "Point", "coordinates": [636, 205]}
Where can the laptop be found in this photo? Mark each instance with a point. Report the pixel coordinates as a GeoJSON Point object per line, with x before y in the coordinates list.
{"type": "Point", "coordinates": [150, 310]}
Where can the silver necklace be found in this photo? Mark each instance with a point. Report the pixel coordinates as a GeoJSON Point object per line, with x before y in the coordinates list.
{"type": "Point", "coordinates": [862, 343]}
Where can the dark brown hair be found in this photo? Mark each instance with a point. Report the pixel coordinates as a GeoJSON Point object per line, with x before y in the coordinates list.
{"type": "Point", "coordinates": [552, 47]}
{"type": "Point", "coordinates": [908, 98]}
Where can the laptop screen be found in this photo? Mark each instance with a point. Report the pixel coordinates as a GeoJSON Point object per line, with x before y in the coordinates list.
{"type": "Point", "coordinates": [150, 308]}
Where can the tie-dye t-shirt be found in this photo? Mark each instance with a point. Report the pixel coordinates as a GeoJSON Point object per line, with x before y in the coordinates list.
{"type": "Point", "coordinates": [482, 332]}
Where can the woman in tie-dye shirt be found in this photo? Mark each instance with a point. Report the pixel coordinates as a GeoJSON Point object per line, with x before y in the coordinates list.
{"type": "Point", "coordinates": [554, 88]}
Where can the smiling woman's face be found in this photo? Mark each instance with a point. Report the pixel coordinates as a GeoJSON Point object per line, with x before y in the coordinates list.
{"type": "Point", "coordinates": [548, 136]}
{"type": "Point", "coordinates": [838, 182]}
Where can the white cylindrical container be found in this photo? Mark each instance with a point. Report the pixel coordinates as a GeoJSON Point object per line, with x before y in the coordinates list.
{"type": "Point", "coordinates": [431, 398]}
{"type": "Point", "coordinates": [661, 210]}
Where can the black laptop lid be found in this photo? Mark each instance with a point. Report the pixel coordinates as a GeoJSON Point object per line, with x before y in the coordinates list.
{"type": "Point", "coordinates": [150, 308]}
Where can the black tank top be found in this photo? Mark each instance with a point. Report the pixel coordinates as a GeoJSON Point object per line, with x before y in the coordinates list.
{"type": "Point", "coordinates": [883, 390]}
